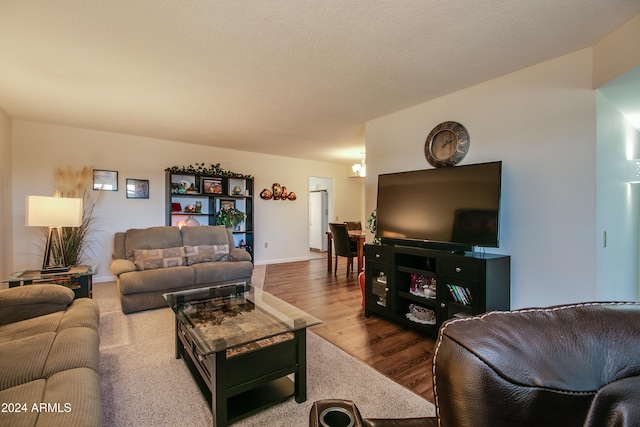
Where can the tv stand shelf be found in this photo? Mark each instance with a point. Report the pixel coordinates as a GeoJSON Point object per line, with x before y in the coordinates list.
{"type": "Point", "coordinates": [458, 285]}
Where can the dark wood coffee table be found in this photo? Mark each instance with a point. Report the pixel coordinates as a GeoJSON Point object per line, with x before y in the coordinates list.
{"type": "Point", "coordinates": [240, 343]}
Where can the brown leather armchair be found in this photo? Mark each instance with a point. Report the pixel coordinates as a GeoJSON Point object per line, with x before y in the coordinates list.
{"type": "Point", "coordinates": [569, 365]}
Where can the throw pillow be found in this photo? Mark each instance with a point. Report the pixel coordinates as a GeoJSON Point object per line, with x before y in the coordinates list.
{"type": "Point", "coordinates": [149, 259]}
{"type": "Point", "coordinates": [206, 253]}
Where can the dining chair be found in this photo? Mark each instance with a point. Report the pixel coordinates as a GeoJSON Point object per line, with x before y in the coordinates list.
{"type": "Point", "coordinates": [353, 225]}
{"type": "Point", "coordinates": [342, 246]}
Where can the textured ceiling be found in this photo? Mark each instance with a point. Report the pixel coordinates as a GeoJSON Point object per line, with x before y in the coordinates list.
{"type": "Point", "coordinates": [295, 78]}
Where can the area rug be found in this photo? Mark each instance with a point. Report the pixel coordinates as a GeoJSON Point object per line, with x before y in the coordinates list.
{"type": "Point", "coordinates": [143, 384]}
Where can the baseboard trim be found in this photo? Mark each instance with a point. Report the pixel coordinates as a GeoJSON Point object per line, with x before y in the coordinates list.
{"type": "Point", "coordinates": [282, 261]}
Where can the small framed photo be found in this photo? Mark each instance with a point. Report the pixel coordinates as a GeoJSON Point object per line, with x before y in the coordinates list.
{"type": "Point", "coordinates": [137, 188]}
{"type": "Point", "coordinates": [227, 204]}
{"type": "Point", "coordinates": [212, 186]}
{"type": "Point", "coordinates": [105, 180]}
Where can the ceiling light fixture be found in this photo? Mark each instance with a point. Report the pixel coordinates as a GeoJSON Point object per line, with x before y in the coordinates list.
{"type": "Point", "coordinates": [360, 169]}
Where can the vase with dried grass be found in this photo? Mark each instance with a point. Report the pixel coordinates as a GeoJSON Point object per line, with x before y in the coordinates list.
{"type": "Point", "coordinates": [76, 240]}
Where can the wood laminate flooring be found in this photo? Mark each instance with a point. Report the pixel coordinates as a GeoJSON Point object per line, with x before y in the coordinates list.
{"type": "Point", "coordinates": [400, 353]}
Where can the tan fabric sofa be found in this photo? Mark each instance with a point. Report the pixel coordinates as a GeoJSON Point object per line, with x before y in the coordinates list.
{"type": "Point", "coordinates": [152, 261]}
{"type": "Point", "coordinates": [49, 357]}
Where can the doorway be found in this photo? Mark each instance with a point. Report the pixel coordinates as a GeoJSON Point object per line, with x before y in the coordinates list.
{"type": "Point", "coordinates": [320, 210]}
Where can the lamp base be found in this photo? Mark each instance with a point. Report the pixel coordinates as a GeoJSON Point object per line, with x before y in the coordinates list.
{"type": "Point", "coordinates": [54, 269]}
{"type": "Point", "coordinates": [50, 269]}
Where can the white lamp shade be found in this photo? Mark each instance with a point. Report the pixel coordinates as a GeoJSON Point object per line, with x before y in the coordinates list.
{"type": "Point", "coordinates": [43, 211]}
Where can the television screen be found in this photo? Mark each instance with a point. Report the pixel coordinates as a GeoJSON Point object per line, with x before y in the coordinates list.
{"type": "Point", "coordinates": [455, 205]}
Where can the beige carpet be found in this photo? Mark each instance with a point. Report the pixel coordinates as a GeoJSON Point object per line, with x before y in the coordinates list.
{"type": "Point", "coordinates": [144, 385]}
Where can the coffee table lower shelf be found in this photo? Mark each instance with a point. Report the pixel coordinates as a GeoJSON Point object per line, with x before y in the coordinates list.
{"type": "Point", "coordinates": [252, 401]}
{"type": "Point", "coordinates": [250, 381]}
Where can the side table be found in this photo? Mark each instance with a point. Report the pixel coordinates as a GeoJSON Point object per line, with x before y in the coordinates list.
{"type": "Point", "coordinates": [78, 279]}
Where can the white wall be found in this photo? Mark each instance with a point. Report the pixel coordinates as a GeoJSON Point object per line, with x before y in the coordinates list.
{"type": "Point", "coordinates": [540, 122]}
{"type": "Point", "coordinates": [40, 148]}
{"type": "Point", "coordinates": [618, 205]}
{"type": "Point", "coordinates": [618, 53]}
{"type": "Point", "coordinates": [352, 201]}
{"type": "Point", "coordinates": [6, 225]}
{"type": "Point", "coordinates": [616, 63]}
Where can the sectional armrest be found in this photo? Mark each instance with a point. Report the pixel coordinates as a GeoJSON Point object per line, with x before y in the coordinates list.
{"type": "Point", "coordinates": [119, 266]}
{"type": "Point", "coordinates": [25, 302]}
{"type": "Point", "coordinates": [238, 254]}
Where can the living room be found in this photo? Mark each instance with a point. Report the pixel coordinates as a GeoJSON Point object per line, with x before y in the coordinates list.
{"type": "Point", "coordinates": [556, 207]}
{"type": "Point", "coordinates": [569, 218]}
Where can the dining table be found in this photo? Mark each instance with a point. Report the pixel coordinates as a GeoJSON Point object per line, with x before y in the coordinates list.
{"type": "Point", "coordinates": [357, 236]}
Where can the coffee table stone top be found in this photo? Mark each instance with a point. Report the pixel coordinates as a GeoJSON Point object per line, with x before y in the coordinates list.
{"type": "Point", "coordinates": [236, 316]}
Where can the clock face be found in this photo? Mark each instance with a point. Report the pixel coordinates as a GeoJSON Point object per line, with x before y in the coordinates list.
{"type": "Point", "coordinates": [446, 144]}
{"type": "Point", "coordinates": [443, 145]}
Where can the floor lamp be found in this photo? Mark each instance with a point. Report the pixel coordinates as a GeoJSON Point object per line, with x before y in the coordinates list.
{"type": "Point", "coordinates": [54, 213]}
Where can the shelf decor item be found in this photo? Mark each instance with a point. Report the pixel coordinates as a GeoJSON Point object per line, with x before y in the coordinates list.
{"type": "Point", "coordinates": [266, 194]}
{"type": "Point", "coordinates": [229, 216]}
{"type": "Point", "coordinates": [372, 225]}
{"type": "Point", "coordinates": [421, 315]}
{"type": "Point", "coordinates": [190, 222]}
{"type": "Point", "coordinates": [212, 185]}
{"type": "Point", "coordinates": [184, 184]}
{"type": "Point", "coordinates": [200, 169]}
{"type": "Point", "coordinates": [277, 192]}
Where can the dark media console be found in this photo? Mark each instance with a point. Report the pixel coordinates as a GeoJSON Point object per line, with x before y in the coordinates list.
{"type": "Point", "coordinates": [422, 288]}
{"type": "Point", "coordinates": [454, 248]}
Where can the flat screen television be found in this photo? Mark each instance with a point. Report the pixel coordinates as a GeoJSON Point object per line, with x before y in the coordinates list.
{"type": "Point", "coordinates": [450, 208]}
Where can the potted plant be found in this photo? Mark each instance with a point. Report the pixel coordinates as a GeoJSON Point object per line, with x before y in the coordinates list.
{"type": "Point", "coordinates": [230, 217]}
{"type": "Point", "coordinates": [372, 225]}
{"type": "Point", "coordinates": [76, 241]}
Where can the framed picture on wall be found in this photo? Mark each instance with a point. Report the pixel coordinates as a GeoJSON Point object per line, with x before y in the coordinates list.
{"type": "Point", "coordinates": [137, 188]}
{"type": "Point", "coordinates": [105, 180]}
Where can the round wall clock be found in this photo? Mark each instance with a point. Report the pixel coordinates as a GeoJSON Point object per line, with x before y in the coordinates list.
{"type": "Point", "coordinates": [446, 144]}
